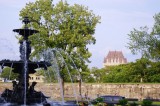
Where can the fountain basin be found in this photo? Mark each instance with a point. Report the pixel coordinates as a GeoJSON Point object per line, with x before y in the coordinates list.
{"type": "Point", "coordinates": [19, 65]}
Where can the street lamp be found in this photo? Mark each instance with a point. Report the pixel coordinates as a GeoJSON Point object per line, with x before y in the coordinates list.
{"type": "Point", "coordinates": [79, 81]}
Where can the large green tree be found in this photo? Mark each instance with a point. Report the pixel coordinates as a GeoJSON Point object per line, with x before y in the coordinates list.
{"type": "Point", "coordinates": [145, 41]}
{"type": "Point", "coordinates": [68, 28]}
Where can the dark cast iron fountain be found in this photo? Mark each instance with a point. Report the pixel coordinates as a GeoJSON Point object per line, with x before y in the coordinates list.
{"type": "Point", "coordinates": [23, 93]}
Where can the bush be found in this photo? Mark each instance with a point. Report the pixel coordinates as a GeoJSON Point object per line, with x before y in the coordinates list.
{"type": "Point", "coordinates": [97, 101]}
{"type": "Point", "coordinates": [146, 103]}
{"type": "Point", "coordinates": [123, 102]}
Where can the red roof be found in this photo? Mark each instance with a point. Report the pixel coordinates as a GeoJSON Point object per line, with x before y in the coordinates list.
{"type": "Point", "coordinates": [115, 55]}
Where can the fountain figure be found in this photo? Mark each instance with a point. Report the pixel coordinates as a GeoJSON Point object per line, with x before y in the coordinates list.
{"type": "Point", "coordinates": [23, 93]}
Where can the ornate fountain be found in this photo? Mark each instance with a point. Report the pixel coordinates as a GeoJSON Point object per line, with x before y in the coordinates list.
{"type": "Point", "coordinates": [22, 92]}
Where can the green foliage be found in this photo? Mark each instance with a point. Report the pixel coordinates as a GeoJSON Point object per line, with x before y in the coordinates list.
{"type": "Point", "coordinates": [133, 104]}
{"type": "Point", "coordinates": [98, 101]}
{"type": "Point", "coordinates": [123, 102]}
{"type": "Point", "coordinates": [67, 28]}
{"type": "Point", "coordinates": [50, 74]}
{"type": "Point", "coordinates": [143, 70]}
{"type": "Point", "coordinates": [8, 74]}
{"type": "Point", "coordinates": [146, 103]}
{"type": "Point", "coordinates": [90, 79]}
{"type": "Point", "coordinates": [98, 74]}
{"type": "Point", "coordinates": [118, 74]}
{"type": "Point", "coordinates": [146, 43]}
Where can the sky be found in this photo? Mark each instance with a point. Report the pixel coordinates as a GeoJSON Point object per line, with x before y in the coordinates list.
{"type": "Point", "coordinates": [118, 18]}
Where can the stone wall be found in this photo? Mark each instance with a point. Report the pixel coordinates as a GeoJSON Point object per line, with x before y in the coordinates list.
{"type": "Point", "coordinates": [139, 91]}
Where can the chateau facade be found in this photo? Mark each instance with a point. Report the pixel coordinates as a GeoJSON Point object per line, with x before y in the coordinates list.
{"type": "Point", "coordinates": [114, 58]}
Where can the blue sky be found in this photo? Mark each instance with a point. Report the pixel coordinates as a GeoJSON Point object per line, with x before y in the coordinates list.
{"type": "Point", "coordinates": [118, 18]}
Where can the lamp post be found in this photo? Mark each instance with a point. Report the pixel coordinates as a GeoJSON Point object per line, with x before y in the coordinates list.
{"type": "Point", "coordinates": [80, 81]}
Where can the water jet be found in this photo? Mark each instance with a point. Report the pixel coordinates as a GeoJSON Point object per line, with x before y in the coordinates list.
{"type": "Point", "coordinates": [23, 93]}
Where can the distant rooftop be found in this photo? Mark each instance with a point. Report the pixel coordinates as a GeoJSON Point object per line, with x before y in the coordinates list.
{"type": "Point", "coordinates": [114, 58]}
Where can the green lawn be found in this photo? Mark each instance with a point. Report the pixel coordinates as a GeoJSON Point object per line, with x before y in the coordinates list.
{"type": "Point", "coordinates": [140, 103]}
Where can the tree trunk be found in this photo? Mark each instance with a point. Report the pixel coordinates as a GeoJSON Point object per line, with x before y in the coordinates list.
{"type": "Point", "coordinates": [80, 84]}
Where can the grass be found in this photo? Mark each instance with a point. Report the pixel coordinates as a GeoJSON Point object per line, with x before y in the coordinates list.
{"type": "Point", "coordinates": [140, 103]}
{"type": "Point", "coordinates": [156, 103]}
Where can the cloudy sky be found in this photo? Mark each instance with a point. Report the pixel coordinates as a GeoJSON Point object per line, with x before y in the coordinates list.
{"type": "Point", "coordinates": [118, 18]}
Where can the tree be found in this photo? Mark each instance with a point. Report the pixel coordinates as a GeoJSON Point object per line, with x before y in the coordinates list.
{"type": "Point", "coordinates": [8, 74]}
{"type": "Point", "coordinates": [141, 69]}
{"type": "Point", "coordinates": [99, 74]}
{"type": "Point", "coordinates": [145, 42]}
{"type": "Point", "coordinates": [154, 72]}
{"type": "Point", "coordinates": [67, 28]}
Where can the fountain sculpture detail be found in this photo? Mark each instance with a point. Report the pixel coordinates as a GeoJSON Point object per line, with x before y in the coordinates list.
{"type": "Point", "coordinates": [22, 92]}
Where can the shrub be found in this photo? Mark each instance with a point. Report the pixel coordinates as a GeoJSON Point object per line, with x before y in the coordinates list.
{"type": "Point", "coordinates": [123, 102]}
{"type": "Point", "coordinates": [97, 101]}
{"type": "Point", "coordinates": [146, 103]}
